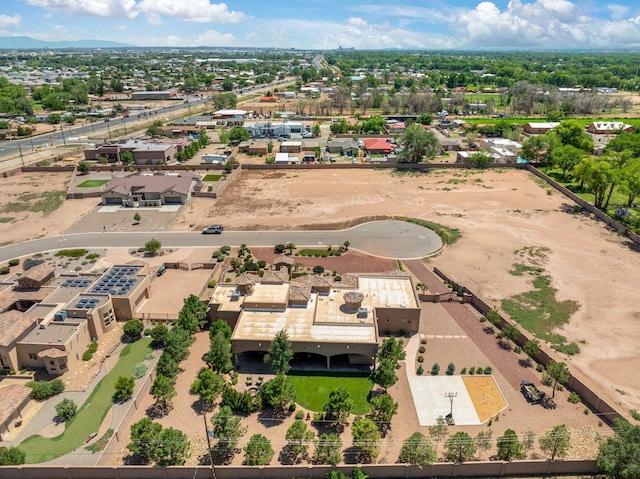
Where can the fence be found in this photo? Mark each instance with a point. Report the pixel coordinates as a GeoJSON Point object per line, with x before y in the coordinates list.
{"type": "Point", "coordinates": [591, 399]}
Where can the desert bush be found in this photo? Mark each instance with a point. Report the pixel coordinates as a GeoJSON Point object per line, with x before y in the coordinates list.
{"type": "Point", "coordinates": [14, 262]}
{"type": "Point", "coordinates": [574, 398]}
{"type": "Point", "coordinates": [435, 369]}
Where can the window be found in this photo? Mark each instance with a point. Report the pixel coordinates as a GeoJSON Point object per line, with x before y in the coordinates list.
{"type": "Point", "coordinates": [33, 356]}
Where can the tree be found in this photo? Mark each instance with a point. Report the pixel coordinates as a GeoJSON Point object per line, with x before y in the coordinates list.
{"type": "Point", "coordinates": [385, 374]}
{"type": "Point", "coordinates": [12, 456]}
{"type": "Point", "coordinates": [84, 167]}
{"type": "Point", "coordinates": [227, 84]}
{"type": "Point", "coordinates": [279, 393]}
{"type": "Point", "coordinates": [167, 366]}
{"type": "Point", "coordinates": [596, 175]}
{"type": "Point", "coordinates": [509, 333]}
{"type": "Point", "coordinates": [152, 246]}
{"type": "Point", "coordinates": [258, 451]}
{"type": "Point", "coordinates": [538, 148]}
{"type": "Point", "coordinates": [207, 385]}
{"type": "Point", "coordinates": [163, 390]}
{"type": "Point", "coordinates": [126, 157]}
{"type": "Point", "coordinates": [124, 388]}
{"type": "Point", "coordinates": [383, 408]}
{"type": "Point", "coordinates": [566, 157]}
{"type": "Point", "coordinates": [143, 438]}
{"type": "Point", "coordinates": [219, 355]}
{"type": "Point", "coordinates": [418, 143]}
{"type": "Point", "coordinates": [193, 315]}
{"type": "Point", "coordinates": [133, 329]}
{"type": "Point", "coordinates": [619, 456]}
{"type": "Point", "coordinates": [238, 134]}
{"type": "Point", "coordinates": [290, 246]}
{"type": "Point", "coordinates": [154, 129]}
{"type": "Point", "coordinates": [479, 158]}
{"type": "Point", "coordinates": [425, 119]}
{"type": "Point", "coordinates": [571, 132]}
{"type": "Point", "coordinates": [220, 326]}
{"type": "Point", "coordinates": [298, 438]}
{"type": "Point", "coordinates": [280, 353]}
{"type": "Point", "coordinates": [137, 218]}
{"type": "Point", "coordinates": [439, 431]}
{"type": "Point", "coordinates": [418, 450]}
{"type": "Point", "coordinates": [171, 448]}
{"type": "Point", "coordinates": [557, 372]}
{"type": "Point", "coordinates": [178, 342]}
{"type": "Point", "coordinates": [483, 440]}
{"type": "Point", "coordinates": [556, 443]}
{"type": "Point", "coordinates": [328, 449]}
{"type": "Point", "coordinates": [227, 429]}
{"type": "Point", "coordinates": [66, 409]}
{"type": "Point", "coordinates": [339, 405]}
{"type": "Point", "coordinates": [509, 446]}
{"type": "Point", "coordinates": [531, 348]}
{"type": "Point", "coordinates": [159, 335]}
{"type": "Point", "coordinates": [629, 180]}
{"type": "Point", "coordinates": [391, 349]}
{"type": "Point", "coordinates": [366, 438]}
{"type": "Point", "coordinates": [460, 447]}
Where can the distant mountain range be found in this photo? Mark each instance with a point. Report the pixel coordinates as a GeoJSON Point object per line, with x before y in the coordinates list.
{"type": "Point", "coordinates": [28, 43]}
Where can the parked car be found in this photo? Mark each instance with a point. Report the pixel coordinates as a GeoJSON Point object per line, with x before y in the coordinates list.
{"type": "Point", "coordinates": [213, 230]}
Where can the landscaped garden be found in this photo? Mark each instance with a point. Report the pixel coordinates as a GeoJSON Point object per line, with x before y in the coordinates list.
{"type": "Point", "coordinates": [312, 390]}
{"type": "Point", "coordinates": [90, 414]}
{"type": "Point", "coordinates": [92, 183]}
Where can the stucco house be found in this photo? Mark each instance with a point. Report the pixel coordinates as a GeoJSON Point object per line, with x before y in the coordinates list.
{"type": "Point", "coordinates": [151, 189]}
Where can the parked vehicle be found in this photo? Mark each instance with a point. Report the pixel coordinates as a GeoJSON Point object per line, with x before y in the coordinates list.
{"type": "Point", "coordinates": [213, 230]}
{"type": "Point", "coordinates": [531, 392]}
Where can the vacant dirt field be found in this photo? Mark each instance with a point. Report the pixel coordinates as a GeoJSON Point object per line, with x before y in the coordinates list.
{"type": "Point", "coordinates": [498, 212]}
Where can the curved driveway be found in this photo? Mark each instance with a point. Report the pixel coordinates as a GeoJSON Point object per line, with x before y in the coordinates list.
{"type": "Point", "coordinates": [389, 239]}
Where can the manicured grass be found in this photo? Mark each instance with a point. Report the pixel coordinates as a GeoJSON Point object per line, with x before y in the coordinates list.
{"type": "Point", "coordinates": [101, 443]}
{"type": "Point", "coordinates": [72, 253]}
{"type": "Point", "coordinates": [448, 235]}
{"type": "Point", "coordinates": [92, 183]}
{"type": "Point", "coordinates": [320, 253]}
{"type": "Point", "coordinates": [313, 390]}
{"type": "Point", "coordinates": [212, 178]}
{"type": "Point", "coordinates": [90, 414]}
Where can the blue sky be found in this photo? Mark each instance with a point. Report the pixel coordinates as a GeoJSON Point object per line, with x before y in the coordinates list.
{"type": "Point", "coordinates": [325, 24]}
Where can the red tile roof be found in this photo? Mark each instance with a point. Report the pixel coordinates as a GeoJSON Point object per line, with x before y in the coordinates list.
{"type": "Point", "coordinates": [376, 144]}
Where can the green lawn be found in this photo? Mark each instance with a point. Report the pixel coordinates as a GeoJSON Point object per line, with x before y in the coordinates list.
{"type": "Point", "coordinates": [92, 183]}
{"type": "Point", "coordinates": [90, 414]}
{"type": "Point", "coordinates": [313, 389]}
{"type": "Point", "coordinates": [212, 178]}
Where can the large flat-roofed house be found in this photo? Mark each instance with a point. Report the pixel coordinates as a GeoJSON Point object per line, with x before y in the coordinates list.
{"type": "Point", "coordinates": [341, 323]}
{"type": "Point", "coordinates": [52, 326]}
{"type": "Point", "coordinates": [13, 399]}
{"type": "Point", "coordinates": [151, 189]}
{"type": "Point", "coordinates": [144, 152]}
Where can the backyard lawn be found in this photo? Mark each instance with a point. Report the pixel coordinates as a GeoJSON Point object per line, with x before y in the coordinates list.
{"type": "Point", "coordinates": [313, 390]}
{"type": "Point", "coordinates": [212, 178]}
{"type": "Point", "coordinates": [90, 414]}
{"type": "Point", "coordinates": [92, 183]}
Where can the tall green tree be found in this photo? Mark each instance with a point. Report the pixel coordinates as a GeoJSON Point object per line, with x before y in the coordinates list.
{"type": "Point", "coordinates": [566, 157]}
{"type": "Point", "coordinates": [280, 353]}
{"type": "Point", "coordinates": [163, 390]}
{"type": "Point", "coordinates": [418, 143]}
{"type": "Point", "coordinates": [538, 148]}
{"type": "Point", "coordinates": [220, 326]}
{"type": "Point", "coordinates": [557, 372]}
{"type": "Point", "coordinates": [279, 393]}
{"type": "Point", "coordinates": [619, 456]}
{"type": "Point", "coordinates": [383, 408]}
{"type": "Point", "coordinates": [207, 385]}
{"type": "Point", "coordinates": [171, 448]}
{"type": "Point", "coordinates": [556, 443]}
{"type": "Point", "coordinates": [366, 439]}
{"type": "Point", "coordinates": [385, 374]}
{"type": "Point", "coordinates": [418, 450]}
{"type": "Point", "coordinates": [460, 447]}
{"type": "Point", "coordinates": [509, 446]}
{"type": "Point", "coordinates": [227, 429]}
{"type": "Point", "coordinates": [439, 431]}
{"type": "Point", "coordinates": [597, 176]}
{"type": "Point", "coordinates": [124, 388]}
{"type": "Point", "coordinates": [328, 449]}
{"type": "Point", "coordinates": [143, 439]}
{"type": "Point", "coordinates": [258, 451]}
{"type": "Point", "coordinates": [571, 132]}
{"type": "Point", "coordinates": [629, 180]}
{"type": "Point", "coordinates": [219, 355]}
{"type": "Point", "coordinates": [392, 349]}
{"type": "Point", "coordinates": [298, 438]}
{"type": "Point", "coordinates": [339, 405]}
{"type": "Point", "coordinates": [167, 366]}
{"type": "Point", "coordinates": [193, 314]}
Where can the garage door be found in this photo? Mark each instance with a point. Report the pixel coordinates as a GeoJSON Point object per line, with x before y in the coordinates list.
{"type": "Point", "coordinates": [113, 201]}
{"type": "Point", "coordinates": [173, 200]}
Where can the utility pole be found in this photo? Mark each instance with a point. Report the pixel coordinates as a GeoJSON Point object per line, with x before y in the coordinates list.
{"type": "Point", "coordinates": [21, 157]}
{"type": "Point", "coordinates": [209, 434]}
{"type": "Point", "coordinates": [64, 141]}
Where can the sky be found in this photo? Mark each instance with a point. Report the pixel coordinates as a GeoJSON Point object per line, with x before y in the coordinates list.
{"type": "Point", "coordinates": [328, 24]}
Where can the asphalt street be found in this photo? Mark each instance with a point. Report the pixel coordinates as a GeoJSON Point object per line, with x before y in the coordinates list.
{"type": "Point", "coordinates": [389, 239]}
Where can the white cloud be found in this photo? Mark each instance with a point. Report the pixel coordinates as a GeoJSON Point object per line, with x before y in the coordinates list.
{"type": "Point", "coordinates": [10, 21]}
{"type": "Point", "coordinates": [93, 8]}
{"type": "Point", "coordinates": [618, 12]}
{"type": "Point", "coordinates": [206, 38]}
{"type": "Point", "coordinates": [202, 11]}
{"type": "Point", "coordinates": [542, 24]}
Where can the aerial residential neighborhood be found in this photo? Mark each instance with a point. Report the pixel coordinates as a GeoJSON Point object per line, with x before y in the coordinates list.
{"type": "Point", "coordinates": [346, 261]}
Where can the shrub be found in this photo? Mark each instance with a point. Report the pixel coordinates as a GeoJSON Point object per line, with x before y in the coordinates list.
{"type": "Point", "coordinates": [318, 269]}
{"type": "Point", "coordinates": [488, 370]}
{"type": "Point", "coordinates": [451, 368]}
{"type": "Point", "coordinates": [300, 415]}
{"type": "Point", "coordinates": [517, 350]}
{"type": "Point", "coordinates": [225, 249]}
{"type": "Point", "coordinates": [338, 278]}
{"type": "Point", "coordinates": [216, 253]}
{"type": "Point", "coordinates": [472, 370]}
{"type": "Point", "coordinates": [574, 398]}
{"type": "Point", "coordinates": [420, 370]}
{"type": "Point", "coordinates": [423, 341]}
{"type": "Point", "coordinates": [91, 256]}
{"type": "Point", "coordinates": [149, 356]}
{"type": "Point", "coordinates": [261, 264]}
{"type": "Point", "coordinates": [463, 371]}
{"type": "Point", "coordinates": [4, 270]}
{"type": "Point", "coordinates": [212, 283]}
{"type": "Point", "coordinates": [133, 328]}
{"type": "Point", "coordinates": [41, 390]}
{"type": "Point", "coordinates": [435, 369]}
{"type": "Point", "coordinates": [14, 262]}
{"type": "Point", "coordinates": [66, 409]}
{"type": "Point", "coordinates": [540, 368]}
{"type": "Point", "coordinates": [421, 349]}
{"type": "Point", "coordinates": [479, 370]}
{"type": "Point", "coordinates": [279, 248]}
{"type": "Point", "coordinates": [139, 370]}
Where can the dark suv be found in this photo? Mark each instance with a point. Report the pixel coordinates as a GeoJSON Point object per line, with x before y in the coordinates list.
{"type": "Point", "coordinates": [212, 230]}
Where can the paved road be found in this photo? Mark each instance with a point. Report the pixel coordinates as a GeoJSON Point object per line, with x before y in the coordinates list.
{"type": "Point", "coordinates": [389, 239]}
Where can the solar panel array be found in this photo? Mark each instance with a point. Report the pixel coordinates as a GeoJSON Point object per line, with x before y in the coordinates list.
{"type": "Point", "coordinates": [117, 281]}
{"type": "Point", "coordinates": [77, 283]}
{"type": "Point", "coordinates": [88, 303]}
